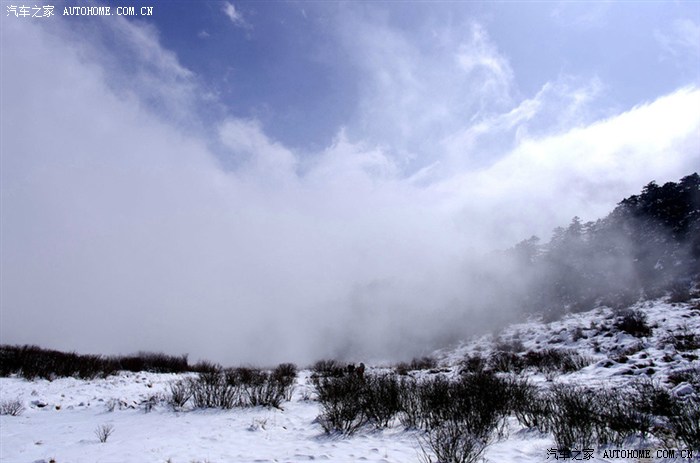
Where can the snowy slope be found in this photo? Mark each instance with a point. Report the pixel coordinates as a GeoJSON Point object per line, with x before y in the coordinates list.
{"type": "Point", "coordinates": [616, 356]}
{"type": "Point", "coordinates": [61, 416]}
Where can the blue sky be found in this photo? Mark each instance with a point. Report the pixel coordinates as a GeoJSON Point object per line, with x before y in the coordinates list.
{"type": "Point", "coordinates": [300, 67]}
{"type": "Point", "coordinates": [318, 175]}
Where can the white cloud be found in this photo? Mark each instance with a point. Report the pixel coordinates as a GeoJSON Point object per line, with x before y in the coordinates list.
{"type": "Point", "coordinates": [418, 86]}
{"type": "Point", "coordinates": [682, 41]}
{"type": "Point", "coordinates": [578, 15]}
{"type": "Point", "coordinates": [585, 170]}
{"type": "Point", "coordinates": [257, 153]}
{"type": "Point", "coordinates": [480, 55]}
{"type": "Point", "coordinates": [559, 106]}
{"type": "Point", "coordinates": [121, 231]}
{"type": "Point", "coordinates": [234, 15]}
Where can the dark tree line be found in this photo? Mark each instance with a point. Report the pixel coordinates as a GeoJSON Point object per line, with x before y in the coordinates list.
{"type": "Point", "coordinates": [647, 246]}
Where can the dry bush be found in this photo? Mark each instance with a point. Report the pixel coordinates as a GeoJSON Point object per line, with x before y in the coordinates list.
{"type": "Point", "coordinates": [633, 322]}
{"type": "Point", "coordinates": [180, 394]}
{"type": "Point", "coordinates": [103, 432]}
{"type": "Point", "coordinates": [11, 407]}
{"type": "Point", "coordinates": [453, 442]}
{"type": "Point", "coordinates": [556, 360]}
{"type": "Point", "coordinates": [685, 422]}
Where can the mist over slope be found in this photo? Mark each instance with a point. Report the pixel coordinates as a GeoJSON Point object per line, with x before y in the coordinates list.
{"type": "Point", "coordinates": [640, 379]}
{"type": "Point", "coordinates": [647, 246]}
{"type": "Point", "coordinates": [137, 214]}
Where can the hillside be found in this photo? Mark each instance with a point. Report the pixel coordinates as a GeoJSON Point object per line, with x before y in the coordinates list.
{"type": "Point", "coordinates": [60, 416]}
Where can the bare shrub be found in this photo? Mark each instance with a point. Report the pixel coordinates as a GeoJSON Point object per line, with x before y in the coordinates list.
{"type": "Point", "coordinates": [679, 293]}
{"type": "Point", "coordinates": [211, 390]}
{"type": "Point", "coordinates": [264, 388]}
{"type": "Point", "coordinates": [580, 417]}
{"type": "Point", "coordinates": [156, 362]}
{"type": "Point", "coordinates": [329, 368]}
{"type": "Point", "coordinates": [152, 401]}
{"type": "Point", "coordinates": [513, 346]}
{"type": "Point", "coordinates": [34, 362]}
{"type": "Point", "coordinates": [416, 364]}
{"type": "Point", "coordinates": [686, 375]}
{"type": "Point", "coordinates": [506, 362]}
{"type": "Point", "coordinates": [454, 442]}
{"type": "Point", "coordinates": [478, 400]}
{"type": "Point", "coordinates": [11, 407]}
{"type": "Point", "coordinates": [435, 401]}
{"type": "Point", "coordinates": [556, 360]}
{"type": "Point", "coordinates": [461, 416]}
{"type": "Point", "coordinates": [481, 400]}
{"type": "Point", "coordinates": [573, 417]}
{"type": "Point", "coordinates": [341, 400]}
{"type": "Point", "coordinates": [237, 387]}
{"type": "Point", "coordinates": [410, 404]}
{"type": "Point", "coordinates": [683, 339]}
{"type": "Point", "coordinates": [623, 412]}
{"type": "Point", "coordinates": [103, 432]}
{"type": "Point", "coordinates": [530, 405]}
{"type": "Point", "coordinates": [286, 375]}
{"type": "Point", "coordinates": [633, 322]}
{"type": "Point", "coordinates": [685, 422]}
{"type": "Point", "coordinates": [180, 394]}
{"type": "Point", "coordinates": [652, 398]}
{"type": "Point", "coordinates": [473, 364]}
{"type": "Point", "coordinates": [381, 399]}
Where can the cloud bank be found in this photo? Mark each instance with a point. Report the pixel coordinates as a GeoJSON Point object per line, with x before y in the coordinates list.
{"type": "Point", "coordinates": [122, 230]}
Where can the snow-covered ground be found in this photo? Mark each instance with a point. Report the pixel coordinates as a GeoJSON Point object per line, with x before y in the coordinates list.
{"type": "Point", "coordinates": [61, 416]}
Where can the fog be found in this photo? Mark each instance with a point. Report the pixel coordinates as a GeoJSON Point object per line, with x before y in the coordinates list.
{"type": "Point", "coordinates": [128, 227]}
